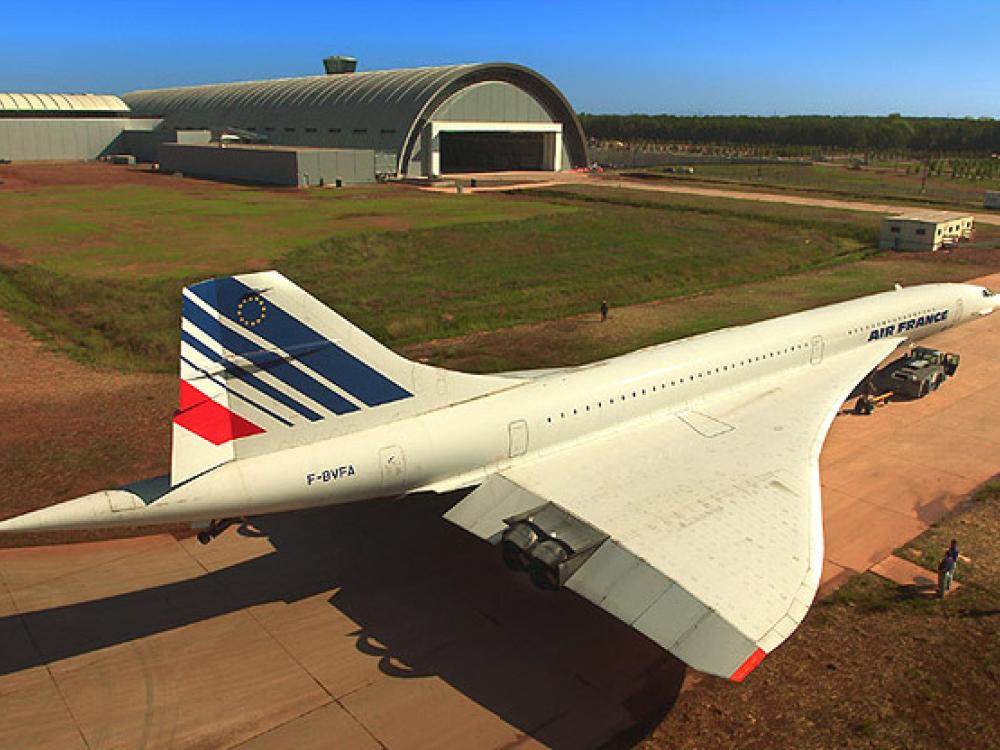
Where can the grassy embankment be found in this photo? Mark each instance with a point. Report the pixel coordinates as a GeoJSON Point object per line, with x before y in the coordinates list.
{"type": "Point", "coordinates": [878, 185]}
{"type": "Point", "coordinates": [98, 274]}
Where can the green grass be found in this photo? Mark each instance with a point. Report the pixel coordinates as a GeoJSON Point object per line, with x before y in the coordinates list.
{"type": "Point", "coordinates": [840, 182]}
{"type": "Point", "coordinates": [128, 231]}
{"type": "Point", "coordinates": [417, 285]}
{"type": "Point", "coordinates": [98, 274]}
{"type": "Point", "coordinates": [567, 344]}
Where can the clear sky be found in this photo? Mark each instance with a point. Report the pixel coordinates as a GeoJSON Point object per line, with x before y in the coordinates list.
{"type": "Point", "coordinates": [875, 57]}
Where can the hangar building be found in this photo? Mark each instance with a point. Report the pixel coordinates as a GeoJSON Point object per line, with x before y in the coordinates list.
{"type": "Point", "coordinates": [62, 126]}
{"type": "Point", "coordinates": [418, 122]}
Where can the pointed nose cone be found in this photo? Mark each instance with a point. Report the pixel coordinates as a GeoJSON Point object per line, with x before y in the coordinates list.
{"type": "Point", "coordinates": [106, 508]}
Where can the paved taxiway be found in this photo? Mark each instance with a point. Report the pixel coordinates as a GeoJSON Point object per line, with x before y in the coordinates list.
{"type": "Point", "coordinates": [381, 625]}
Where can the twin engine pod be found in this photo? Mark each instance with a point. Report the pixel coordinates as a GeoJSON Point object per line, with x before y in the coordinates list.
{"type": "Point", "coordinates": [548, 543]}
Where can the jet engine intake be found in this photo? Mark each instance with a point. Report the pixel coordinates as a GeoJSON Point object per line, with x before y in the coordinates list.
{"type": "Point", "coordinates": [550, 543]}
{"type": "Point", "coordinates": [516, 545]}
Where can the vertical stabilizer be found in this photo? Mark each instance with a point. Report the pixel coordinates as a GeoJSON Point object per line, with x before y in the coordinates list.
{"type": "Point", "coordinates": [266, 366]}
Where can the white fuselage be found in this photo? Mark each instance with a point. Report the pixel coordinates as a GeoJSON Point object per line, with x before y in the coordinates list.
{"type": "Point", "coordinates": [460, 445]}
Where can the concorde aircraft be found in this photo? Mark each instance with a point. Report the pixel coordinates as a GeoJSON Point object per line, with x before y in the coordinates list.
{"type": "Point", "coordinates": [676, 487]}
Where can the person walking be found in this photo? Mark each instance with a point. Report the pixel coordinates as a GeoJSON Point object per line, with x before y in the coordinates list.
{"type": "Point", "coordinates": [952, 552]}
{"type": "Point", "coordinates": [604, 310]}
{"type": "Point", "coordinates": [946, 569]}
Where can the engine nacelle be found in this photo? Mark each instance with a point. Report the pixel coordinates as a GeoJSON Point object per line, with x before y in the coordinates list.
{"type": "Point", "coordinates": [549, 543]}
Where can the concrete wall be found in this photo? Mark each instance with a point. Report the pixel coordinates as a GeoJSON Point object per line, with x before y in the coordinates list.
{"type": "Point", "coordinates": [143, 143]}
{"type": "Point", "coordinates": [326, 166]}
{"type": "Point", "coordinates": [75, 139]}
{"type": "Point", "coordinates": [269, 166]}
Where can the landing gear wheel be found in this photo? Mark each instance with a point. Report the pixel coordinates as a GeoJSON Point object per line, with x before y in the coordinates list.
{"type": "Point", "coordinates": [204, 537]}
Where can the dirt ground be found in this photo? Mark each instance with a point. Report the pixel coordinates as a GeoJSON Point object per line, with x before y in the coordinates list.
{"type": "Point", "coordinates": [46, 174]}
{"type": "Point", "coordinates": [536, 179]}
{"type": "Point", "coordinates": [899, 668]}
{"type": "Point", "coordinates": [54, 446]}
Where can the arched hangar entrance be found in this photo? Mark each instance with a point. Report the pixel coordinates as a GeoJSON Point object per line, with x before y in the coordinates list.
{"type": "Point", "coordinates": [474, 147]}
{"type": "Point", "coordinates": [518, 124]}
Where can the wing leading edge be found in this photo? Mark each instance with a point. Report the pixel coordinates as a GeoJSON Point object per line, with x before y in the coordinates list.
{"type": "Point", "coordinates": [711, 518]}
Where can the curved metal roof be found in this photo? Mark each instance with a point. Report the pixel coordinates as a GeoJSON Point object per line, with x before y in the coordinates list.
{"type": "Point", "coordinates": [393, 100]}
{"type": "Point", "coordinates": [61, 103]}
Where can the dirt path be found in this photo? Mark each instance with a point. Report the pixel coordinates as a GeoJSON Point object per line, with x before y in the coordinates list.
{"type": "Point", "coordinates": [69, 429]}
{"type": "Point", "coordinates": [796, 200]}
{"type": "Point", "coordinates": [532, 180]}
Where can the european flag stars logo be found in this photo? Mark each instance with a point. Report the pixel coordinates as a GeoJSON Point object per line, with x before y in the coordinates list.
{"type": "Point", "coordinates": [251, 310]}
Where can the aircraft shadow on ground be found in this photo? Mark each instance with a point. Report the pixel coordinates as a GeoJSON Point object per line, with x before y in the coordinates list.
{"type": "Point", "coordinates": [427, 598]}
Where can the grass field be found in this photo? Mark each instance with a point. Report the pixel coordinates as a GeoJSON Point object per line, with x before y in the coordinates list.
{"type": "Point", "coordinates": [98, 273]}
{"type": "Point", "coordinates": [129, 231]}
{"type": "Point", "coordinates": [883, 184]}
{"type": "Point", "coordinates": [581, 339]}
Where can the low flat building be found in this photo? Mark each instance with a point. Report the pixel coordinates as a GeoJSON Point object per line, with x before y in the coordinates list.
{"type": "Point", "coordinates": [290, 166]}
{"type": "Point", "coordinates": [925, 231]}
{"type": "Point", "coordinates": [37, 127]}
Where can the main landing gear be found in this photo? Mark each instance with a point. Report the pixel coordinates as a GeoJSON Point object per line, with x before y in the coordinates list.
{"type": "Point", "coordinates": [217, 527]}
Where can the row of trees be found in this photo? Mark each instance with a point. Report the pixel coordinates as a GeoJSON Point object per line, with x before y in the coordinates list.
{"type": "Point", "coordinates": [892, 133]}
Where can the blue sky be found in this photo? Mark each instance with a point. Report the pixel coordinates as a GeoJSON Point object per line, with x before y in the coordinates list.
{"type": "Point", "coordinates": [916, 57]}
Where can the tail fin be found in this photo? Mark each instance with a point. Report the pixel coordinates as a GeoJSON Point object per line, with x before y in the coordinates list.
{"type": "Point", "coordinates": [266, 366]}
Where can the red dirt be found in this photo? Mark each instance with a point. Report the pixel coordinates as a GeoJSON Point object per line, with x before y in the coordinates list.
{"type": "Point", "coordinates": [52, 447]}
{"type": "Point", "coordinates": [32, 175]}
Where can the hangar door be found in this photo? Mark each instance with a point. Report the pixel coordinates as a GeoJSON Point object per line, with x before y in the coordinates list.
{"type": "Point", "coordinates": [492, 147]}
{"type": "Point", "coordinates": [492, 152]}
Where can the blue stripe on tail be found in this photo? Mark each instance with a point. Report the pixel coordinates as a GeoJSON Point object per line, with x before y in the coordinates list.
{"type": "Point", "coordinates": [269, 361]}
{"type": "Point", "coordinates": [240, 396]}
{"type": "Point", "coordinates": [245, 307]}
{"type": "Point", "coordinates": [253, 381]}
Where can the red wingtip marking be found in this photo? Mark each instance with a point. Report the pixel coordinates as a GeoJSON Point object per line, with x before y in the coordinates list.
{"type": "Point", "coordinates": [209, 419]}
{"type": "Point", "coordinates": [748, 666]}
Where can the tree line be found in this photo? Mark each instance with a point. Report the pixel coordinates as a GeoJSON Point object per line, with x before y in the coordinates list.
{"type": "Point", "coordinates": [925, 135]}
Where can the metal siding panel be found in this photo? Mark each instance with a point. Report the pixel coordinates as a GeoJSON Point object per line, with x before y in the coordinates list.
{"type": "Point", "coordinates": [671, 616]}
{"type": "Point", "coordinates": [603, 570]}
{"type": "Point", "coordinates": [714, 646]}
{"type": "Point", "coordinates": [493, 101]}
{"type": "Point", "coordinates": [629, 597]}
